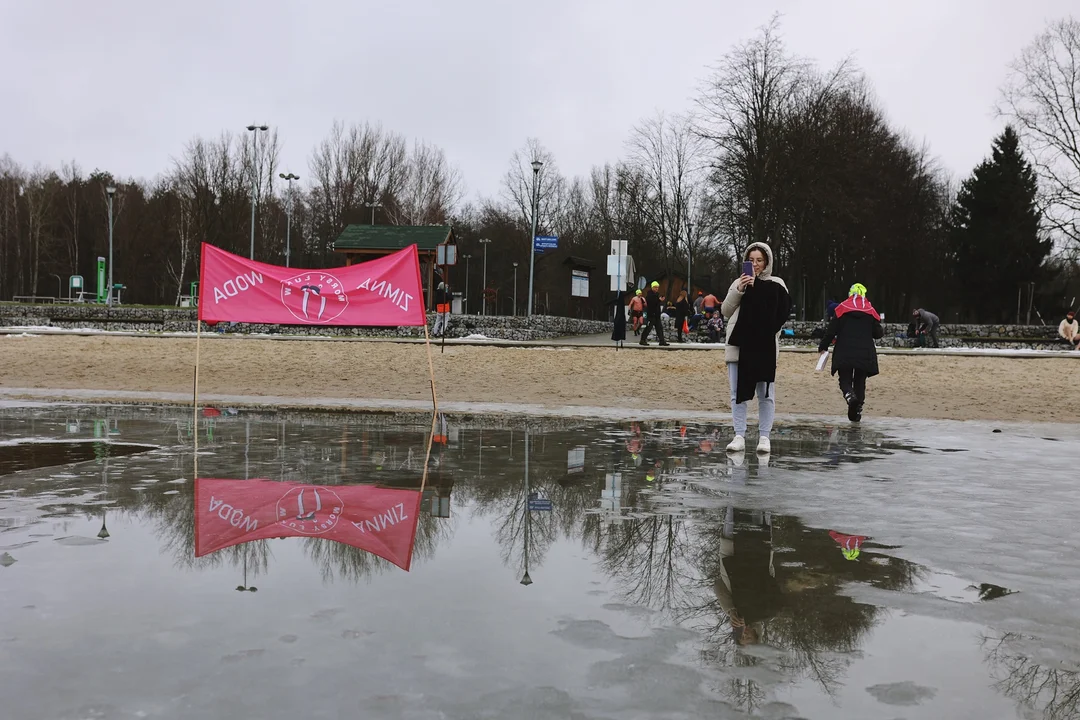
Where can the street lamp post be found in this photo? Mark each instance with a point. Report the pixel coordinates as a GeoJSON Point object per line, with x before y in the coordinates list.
{"type": "Point", "coordinates": [465, 310]}
{"type": "Point", "coordinates": [536, 165]}
{"type": "Point", "coordinates": [254, 177]}
{"type": "Point", "coordinates": [689, 281]}
{"type": "Point", "coordinates": [288, 213]}
{"type": "Point", "coordinates": [485, 242]}
{"type": "Point", "coordinates": [109, 193]}
{"type": "Point", "coordinates": [515, 289]}
{"type": "Point", "coordinates": [372, 205]}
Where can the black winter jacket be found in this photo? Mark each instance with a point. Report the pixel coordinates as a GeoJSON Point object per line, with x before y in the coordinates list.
{"type": "Point", "coordinates": [855, 333]}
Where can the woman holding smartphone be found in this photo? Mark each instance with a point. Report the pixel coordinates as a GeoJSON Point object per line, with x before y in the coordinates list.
{"type": "Point", "coordinates": [756, 307]}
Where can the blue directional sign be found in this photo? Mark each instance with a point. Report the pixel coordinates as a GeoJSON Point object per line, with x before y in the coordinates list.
{"type": "Point", "coordinates": [545, 242]}
{"type": "Point", "coordinates": [540, 505]}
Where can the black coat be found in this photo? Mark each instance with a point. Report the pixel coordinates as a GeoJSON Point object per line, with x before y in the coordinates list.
{"type": "Point", "coordinates": [763, 311]}
{"type": "Point", "coordinates": [682, 311]}
{"type": "Point", "coordinates": [618, 331]}
{"type": "Point", "coordinates": [652, 304]}
{"type": "Point", "coordinates": [855, 333]}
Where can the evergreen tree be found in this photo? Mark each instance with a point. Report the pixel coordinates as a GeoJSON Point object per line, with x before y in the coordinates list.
{"type": "Point", "coordinates": [995, 235]}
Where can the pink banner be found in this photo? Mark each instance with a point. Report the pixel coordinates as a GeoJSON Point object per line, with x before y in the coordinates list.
{"type": "Point", "coordinates": [383, 292]}
{"type": "Point", "coordinates": [379, 520]}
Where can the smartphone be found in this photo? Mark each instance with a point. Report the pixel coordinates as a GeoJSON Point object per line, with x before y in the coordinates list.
{"type": "Point", "coordinates": [748, 268]}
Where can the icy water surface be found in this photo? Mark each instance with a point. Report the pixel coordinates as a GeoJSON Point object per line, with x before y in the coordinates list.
{"type": "Point", "coordinates": [895, 570]}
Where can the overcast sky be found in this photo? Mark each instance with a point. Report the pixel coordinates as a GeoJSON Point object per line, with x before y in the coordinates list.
{"type": "Point", "coordinates": [123, 84]}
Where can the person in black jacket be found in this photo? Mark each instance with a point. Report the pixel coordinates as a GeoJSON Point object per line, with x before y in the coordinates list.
{"type": "Point", "coordinates": [856, 325]}
{"type": "Point", "coordinates": [682, 312]}
{"type": "Point", "coordinates": [653, 308]}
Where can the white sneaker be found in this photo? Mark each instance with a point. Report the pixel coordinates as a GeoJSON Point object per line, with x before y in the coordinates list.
{"type": "Point", "coordinates": [737, 445]}
{"type": "Point", "coordinates": [764, 447]}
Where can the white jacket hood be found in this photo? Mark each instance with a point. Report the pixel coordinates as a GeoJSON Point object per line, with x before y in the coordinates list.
{"type": "Point", "coordinates": [767, 272]}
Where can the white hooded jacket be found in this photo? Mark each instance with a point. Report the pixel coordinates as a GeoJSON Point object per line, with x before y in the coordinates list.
{"type": "Point", "coordinates": [730, 307]}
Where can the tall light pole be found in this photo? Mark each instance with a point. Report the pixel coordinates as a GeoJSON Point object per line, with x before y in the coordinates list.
{"type": "Point", "coordinates": [254, 177]}
{"type": "Point", "coordinates": [372, 205]}
{"type": "Point", "coordinates": [689, 281]}
{"type": "Point", "coordinates": [466, 303]}
{"type": "Point", "coordinates": [110, 191]}
{"type": "Point", "coordinates": [536, 165]}
{"type": "Point", "coordinates": [515, 289]}
{"type": "Point", "coordinates": [485, 242]}
{"type": "Point", "coordinates": [288, 213]}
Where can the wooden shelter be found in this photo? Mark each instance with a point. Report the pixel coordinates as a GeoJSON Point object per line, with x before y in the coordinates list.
{"type": "Point", "coordinates": [359, 243]}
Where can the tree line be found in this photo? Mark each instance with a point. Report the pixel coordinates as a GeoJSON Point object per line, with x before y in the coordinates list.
{"type": "Point", "coordinates": [776, 149]}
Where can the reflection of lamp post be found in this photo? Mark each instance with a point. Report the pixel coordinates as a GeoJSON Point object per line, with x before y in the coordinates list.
{"type": "Point", "coordinates": [525, 579]}
{"type": "Point", "coordinates": [245, 587]}
{"type": "Point", "coordinates": [103, 533]}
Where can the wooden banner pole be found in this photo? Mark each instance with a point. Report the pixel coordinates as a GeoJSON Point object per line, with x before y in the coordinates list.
{"type": "Point", "coordinates": [431, 369]}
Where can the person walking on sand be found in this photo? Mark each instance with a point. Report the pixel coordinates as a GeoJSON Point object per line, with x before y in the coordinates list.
{"type": "Point", "coordinates": [756, 307]}
{"type": "Point", "coordinates": [927, 322]}
{"type": "Point", "coordinates": [653, 308]}
{"type": "Point", "coordinates": [855, 327]}
{"type": "Point", "coordinates": [1069, 330]}
{"type": "Point", "coordinates": [637, 311]}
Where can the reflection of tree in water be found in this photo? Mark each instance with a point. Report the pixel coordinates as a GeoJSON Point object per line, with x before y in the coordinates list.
{"type": "Point", "coordinates": [337, 561]}
{"type": "Point", "coordinates": [651, 560]}
{"type": "Point", "coordinates": [1053, 692]}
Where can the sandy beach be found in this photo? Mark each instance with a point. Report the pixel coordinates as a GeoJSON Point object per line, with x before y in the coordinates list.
{"type": "Point", "coordinates": [957, 388]}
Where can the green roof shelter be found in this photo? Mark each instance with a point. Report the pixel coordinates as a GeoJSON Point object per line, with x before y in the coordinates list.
{"type": "Point", "coordinates": [359, 243]}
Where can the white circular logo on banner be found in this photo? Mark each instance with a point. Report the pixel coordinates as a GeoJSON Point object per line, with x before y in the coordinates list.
{"type": "Point", "coordinates": [310, 510]}
{"type": "Point", "coordinates": [314, 297]}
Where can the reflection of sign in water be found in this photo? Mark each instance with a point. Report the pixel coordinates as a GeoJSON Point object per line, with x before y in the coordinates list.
{"type": "Point", "coordinates": [575, 460]}
{"type": "Point", "coordinates": [538, 504]}
{"type": "Point", "coordinates": [310, 510]}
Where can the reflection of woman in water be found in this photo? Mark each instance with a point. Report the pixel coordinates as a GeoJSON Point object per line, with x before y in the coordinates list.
{"type": "Point", "coordinates": [746, 586]}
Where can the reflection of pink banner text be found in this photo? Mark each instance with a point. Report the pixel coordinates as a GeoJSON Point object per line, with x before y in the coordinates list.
{"type": "Point", "coordinates": [379, 520]}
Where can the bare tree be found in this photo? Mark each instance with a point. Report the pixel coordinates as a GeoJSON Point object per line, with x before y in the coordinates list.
{"type": "Point", "coordinates": [741, 109]}
{"type": "Point", "coordinates": [430, 190]}
{"type": "Point", "coordinates": [353, 166]}
{"type": "Point", "coordinates": [667, 153]}
{"type": "Point", "coordinates": [550, 186]}
{"type": "Point", "coordinates": [39, 191]}
{"type": "Point", "coordinates": [73, 187]}
{"type": "Point", "coordinates": [1041, 97]}
{"type": "Point", "coordinates": [11, 267]}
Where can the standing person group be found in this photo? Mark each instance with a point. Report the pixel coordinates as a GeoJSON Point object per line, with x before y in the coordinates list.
{"type": "Point", "coordinates": [855, 326]}
{"type": "Point", "coordinates": [756, 307]}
